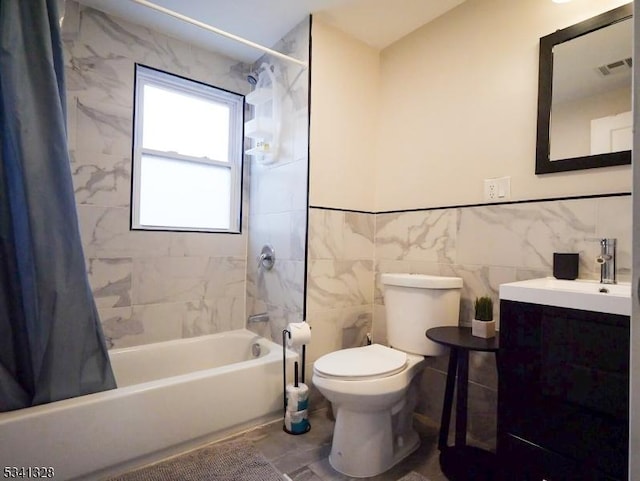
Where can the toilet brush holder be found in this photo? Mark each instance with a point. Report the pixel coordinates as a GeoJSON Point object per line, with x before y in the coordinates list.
{"type": "Point", "coordinates": [295, 397]}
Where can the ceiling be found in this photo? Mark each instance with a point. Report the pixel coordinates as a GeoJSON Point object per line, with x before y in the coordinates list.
{"type": "Point", "coordinates": [378, 23]}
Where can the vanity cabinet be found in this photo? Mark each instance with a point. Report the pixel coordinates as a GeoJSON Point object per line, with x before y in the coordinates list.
{"type": "Point", "coordinates": [563, 394]}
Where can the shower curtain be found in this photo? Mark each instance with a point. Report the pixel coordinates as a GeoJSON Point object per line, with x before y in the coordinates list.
{"type": "Point", "coordinates": [51, 342]}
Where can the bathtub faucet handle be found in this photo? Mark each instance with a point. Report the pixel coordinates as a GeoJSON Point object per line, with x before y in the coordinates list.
{"type": "Point", "coordinates": [267, 257]}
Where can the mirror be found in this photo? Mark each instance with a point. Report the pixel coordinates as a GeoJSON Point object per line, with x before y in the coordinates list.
{"type": "Point", "coordinates": [584, 94]}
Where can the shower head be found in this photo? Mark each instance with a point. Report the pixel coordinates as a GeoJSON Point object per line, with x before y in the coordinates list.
{"type": "Point", "coordinates": [254, 76]}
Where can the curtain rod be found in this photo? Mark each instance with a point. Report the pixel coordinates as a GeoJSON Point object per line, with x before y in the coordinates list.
{"type": "Point", "coordinates": [218, 31]}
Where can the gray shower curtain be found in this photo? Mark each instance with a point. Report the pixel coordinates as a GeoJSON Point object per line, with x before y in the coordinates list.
{"type": "Point", "coordinates": [51, 342]}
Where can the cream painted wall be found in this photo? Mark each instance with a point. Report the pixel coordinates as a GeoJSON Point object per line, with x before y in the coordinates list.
{"type": "Point", "coordinates": [459, 100]}
{"type": "Point", "coordinates": [344, 118]}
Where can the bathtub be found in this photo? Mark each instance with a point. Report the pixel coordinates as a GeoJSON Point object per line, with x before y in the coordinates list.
{"type": "Point", "coordinates": [171, 395]}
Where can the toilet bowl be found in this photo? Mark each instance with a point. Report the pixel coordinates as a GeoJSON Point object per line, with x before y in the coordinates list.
{"type": "Point", "coordinates": [367, 386]}
{"type": "Point", "coordinates": [373, 389]}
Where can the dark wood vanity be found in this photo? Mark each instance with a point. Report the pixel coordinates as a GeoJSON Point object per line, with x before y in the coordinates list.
{"type": "Point", "coordinates": [563, 394]}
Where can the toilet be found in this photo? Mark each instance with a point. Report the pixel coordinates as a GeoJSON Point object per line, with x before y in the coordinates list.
{"type": "Point", "coordinates": [373, 389]}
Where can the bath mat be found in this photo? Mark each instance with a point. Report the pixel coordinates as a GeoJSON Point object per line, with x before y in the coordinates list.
{"type": "Point", "coordinates": [413, 476]}
{"type": "Point", "coordinates": [230, 461]}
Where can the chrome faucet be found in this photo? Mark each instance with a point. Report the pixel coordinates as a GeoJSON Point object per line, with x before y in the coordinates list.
{"type": "Point", "coordinates": [607, 261]}
{"type": "Point", "coordinates": [267, 257]}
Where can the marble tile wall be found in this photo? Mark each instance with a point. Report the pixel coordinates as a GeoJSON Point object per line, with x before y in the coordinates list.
{"type": "Point", "coordinates": [485, 245]}
{"type": "Point", "coordinates": [148, 286]}
{"type": "Point", "coordinates": [491, 245]}
{"type": "Point", "coordinates": [278, 197]}
{"type": "Point", "coordinates": [340, 279]}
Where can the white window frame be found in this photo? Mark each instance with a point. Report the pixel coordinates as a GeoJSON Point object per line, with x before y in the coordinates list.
{"type": "Point", "coordinates": [149, 76]}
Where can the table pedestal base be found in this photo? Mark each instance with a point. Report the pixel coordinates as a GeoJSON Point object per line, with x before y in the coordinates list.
{"type": "Point", "coordinates": [467, 463]}
{"type": "Point", "coordinates": [461, 462]}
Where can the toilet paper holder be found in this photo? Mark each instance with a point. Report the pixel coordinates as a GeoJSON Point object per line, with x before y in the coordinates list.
{"type": "Point", "coordinates": [298, 377]}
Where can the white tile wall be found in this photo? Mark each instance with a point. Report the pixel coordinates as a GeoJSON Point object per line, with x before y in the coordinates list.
{"type": "Point", "coordinates": [278, 198]}
{"type": "Point", "coordinates": [148, 286]}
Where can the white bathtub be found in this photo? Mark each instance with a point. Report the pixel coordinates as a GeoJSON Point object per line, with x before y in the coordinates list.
{"type": "Point", "coordinates": [170, 395]}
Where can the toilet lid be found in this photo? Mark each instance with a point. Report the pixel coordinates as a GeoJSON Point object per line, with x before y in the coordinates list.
{"type": "Point", "coordinates": [374, 360]}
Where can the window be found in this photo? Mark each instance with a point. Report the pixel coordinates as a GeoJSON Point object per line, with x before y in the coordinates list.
{"type": "Point", "coordinates": [187, 155]}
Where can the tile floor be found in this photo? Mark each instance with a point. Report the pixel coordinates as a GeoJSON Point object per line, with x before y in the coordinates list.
{"type": "Point", "coordinates": [305, 457]}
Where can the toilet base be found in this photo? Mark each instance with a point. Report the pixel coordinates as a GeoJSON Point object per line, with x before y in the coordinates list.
{"type": "Point", "coordinates": [364, 444]}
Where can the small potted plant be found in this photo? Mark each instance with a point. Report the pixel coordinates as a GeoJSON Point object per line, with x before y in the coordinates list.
{"type": "Point", "coordinates": [483, 324]}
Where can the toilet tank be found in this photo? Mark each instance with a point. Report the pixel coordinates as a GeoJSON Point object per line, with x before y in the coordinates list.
{"type": "Point", "coordinates": [415, 303]}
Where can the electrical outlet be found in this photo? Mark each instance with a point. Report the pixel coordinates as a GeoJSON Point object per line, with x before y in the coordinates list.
{"type": "Point", "coordinates": [490, 189]}
{"type": "Point", "coordinates": [497, 189]}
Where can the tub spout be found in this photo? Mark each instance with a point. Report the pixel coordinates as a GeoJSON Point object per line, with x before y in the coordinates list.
{"type": "Point", "coordinates": [262, 317]}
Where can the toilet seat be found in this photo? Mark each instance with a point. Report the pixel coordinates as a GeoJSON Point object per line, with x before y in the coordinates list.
{"type": "Point", "coordinates": [367, 362]}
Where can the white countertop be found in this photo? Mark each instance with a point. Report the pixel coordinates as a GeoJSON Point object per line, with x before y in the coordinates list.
{"type": "Point", "coordinates": [579, 294]}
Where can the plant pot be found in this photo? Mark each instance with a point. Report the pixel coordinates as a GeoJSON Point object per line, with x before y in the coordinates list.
{"type": "Point", "coordinates": [484, 329]}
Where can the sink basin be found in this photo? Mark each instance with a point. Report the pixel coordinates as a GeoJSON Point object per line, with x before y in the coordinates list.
{"type": "Point", "coordinates": [579, 294]}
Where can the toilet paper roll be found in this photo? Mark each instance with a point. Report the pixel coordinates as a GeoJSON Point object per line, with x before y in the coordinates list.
{"type": "Point", "coordinates": [296, 422]}
{"type": "Point", "coordinates": [297, 397]}
{"type": "Point", "coordinates": [300, 334]}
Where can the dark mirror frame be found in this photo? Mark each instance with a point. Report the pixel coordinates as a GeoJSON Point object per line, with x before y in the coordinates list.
{"type": "Point", "coordinates": [545, 80]}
